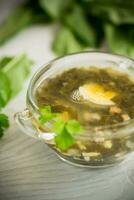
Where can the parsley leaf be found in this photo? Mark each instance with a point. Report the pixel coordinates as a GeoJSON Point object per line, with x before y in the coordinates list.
{"type": "Point", "coordinates": [74, 127]}
{"type": "Point", "coordinates": [46, 109]}
{"type": "Point", "coordinates": [46, 114]}
{"type": "Point", "coordinates": [65, 130]}
{"type": "Point", "coordinates": [59, 126]}
{"type": "Point", "coordinates": [64, 140]}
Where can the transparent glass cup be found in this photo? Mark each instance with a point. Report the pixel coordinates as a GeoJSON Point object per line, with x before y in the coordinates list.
{"type": "Point", "coordinates": [97, 147]}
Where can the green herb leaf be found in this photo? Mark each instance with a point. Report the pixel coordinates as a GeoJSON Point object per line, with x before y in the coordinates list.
{"type": "Point", "coordinates": [120, 39]}
{"type": "Point", "coordinates": [4, 123]}
{"type": "Point", "coordinates": [45, 118]}
{"type": "Point", "coordinates": [13, 72]}
{"type": "Point", "coordinates": [4, 61]}
{"type": "Point", "coordinates": [47, 115]}
{"type": "Point", "coordinates": [5, 90]}
{"type": "Point", "coordinates": [78, 23]}
{"type": "Point", "coordinates": [45, 110]}
{"type": "Point", "coordinates": [59, 126]}
{"type": "Point", "coordinates": [64, 130]}
{"type": "Point", "coordinates": [17, 70]}
{"type": "Point", "coordinates": [4, 120]}
{"type": "Point", "coordinates": [115, 11]}
{"type": "Point", "coordinates": [65, 42]}
{"type": "Point", "coordinates": [74, 127]}
{"type": "Point", "coordinates": [54, 8]}
{"type": "Point", "coordinates": [64, 140]}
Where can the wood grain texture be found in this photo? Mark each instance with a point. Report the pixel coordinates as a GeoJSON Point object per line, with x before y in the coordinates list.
{"type": "Point", "coordinates": [29, 170]}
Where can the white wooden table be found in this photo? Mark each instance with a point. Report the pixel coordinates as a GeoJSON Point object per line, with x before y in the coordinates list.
{"type": "Point", "coordinates": [29, 170]}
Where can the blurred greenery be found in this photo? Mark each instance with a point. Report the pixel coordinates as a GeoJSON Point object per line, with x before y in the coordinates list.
{"type": "Point", "coordinates": [65, 42]}
{"type": "Point", "coordinates": [120, 39]}
{"type": "Point", "coordinates": [83, 23]}
{"type": "Point", "coordinates": [13, 72]}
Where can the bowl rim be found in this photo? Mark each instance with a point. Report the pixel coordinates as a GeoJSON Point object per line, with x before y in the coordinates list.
{"type": "Point", "coordinates": [33, 106]}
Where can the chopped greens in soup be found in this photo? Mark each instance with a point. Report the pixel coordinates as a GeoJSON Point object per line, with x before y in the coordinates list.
{"type": "Point", "coordinates": [93, 96]}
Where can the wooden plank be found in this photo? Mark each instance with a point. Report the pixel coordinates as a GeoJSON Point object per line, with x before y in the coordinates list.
{"type": "Point", "coordinates": [29, 170]}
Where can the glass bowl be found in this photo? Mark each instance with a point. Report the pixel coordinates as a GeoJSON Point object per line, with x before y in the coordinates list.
{"type": "Point", "coordinates": [98, 146]}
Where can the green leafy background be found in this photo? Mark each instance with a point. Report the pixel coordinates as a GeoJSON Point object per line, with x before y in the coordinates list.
{"type": "Point", "coordinates": [83, 24]}
{"type": "Point", "coordinates": [13, 72]}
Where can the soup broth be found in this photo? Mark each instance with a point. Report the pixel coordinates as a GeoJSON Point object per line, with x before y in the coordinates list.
{"type": "Point", "coordinates": [95, 97]}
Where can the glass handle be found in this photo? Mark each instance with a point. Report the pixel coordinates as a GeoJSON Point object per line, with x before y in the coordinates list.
{"type": "Point", "coordinates": [25, 121]}
{"type": "Point", "coordinates": [31, 127]}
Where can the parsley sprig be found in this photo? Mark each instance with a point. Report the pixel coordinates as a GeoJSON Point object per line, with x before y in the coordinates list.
{"type": "Point", "coordinates": [64, 130]}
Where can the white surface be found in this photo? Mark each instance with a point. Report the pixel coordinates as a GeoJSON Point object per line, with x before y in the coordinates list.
{"type": "Point", "coordinates": [29, 170]}
{"type": "Point", "coordinates": [35, 41]}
